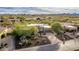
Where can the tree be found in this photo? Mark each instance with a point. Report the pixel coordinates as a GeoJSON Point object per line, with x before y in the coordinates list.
{"type": "Point", "coordinates": [24, 34]}
{"type": "Point", "coordinates": [21, 29]}
{"type": "Point", "coordinates": [57, 28]}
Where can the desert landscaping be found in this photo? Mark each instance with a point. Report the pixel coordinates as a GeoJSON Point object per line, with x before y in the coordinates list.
{"type": "Point", "coordinates": [39, 32]}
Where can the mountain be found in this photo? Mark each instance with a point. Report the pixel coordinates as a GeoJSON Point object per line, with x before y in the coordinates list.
{"type": "Point", "coordinates": [38, 10]}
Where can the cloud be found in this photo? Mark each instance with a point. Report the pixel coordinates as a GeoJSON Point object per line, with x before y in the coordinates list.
{"type": "Point", "coordinates": [38, 10]}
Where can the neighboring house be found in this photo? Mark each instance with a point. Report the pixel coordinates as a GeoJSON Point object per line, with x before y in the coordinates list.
{"type": "Point", "coordinates": [14, 20]}
{"type": "Point", "coordinates": [43, 28]}
{"type": "Point", "coordinates": [40, 25]}
{"type": "Point", "coordinates": [69, 27]}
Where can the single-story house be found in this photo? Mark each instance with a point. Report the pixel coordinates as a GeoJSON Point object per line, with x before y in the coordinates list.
{"type": "Point", "coordinates": [69, 27]}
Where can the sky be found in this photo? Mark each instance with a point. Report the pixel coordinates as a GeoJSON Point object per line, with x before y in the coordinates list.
{"type": "Point", "coordinates": [37, 10]}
